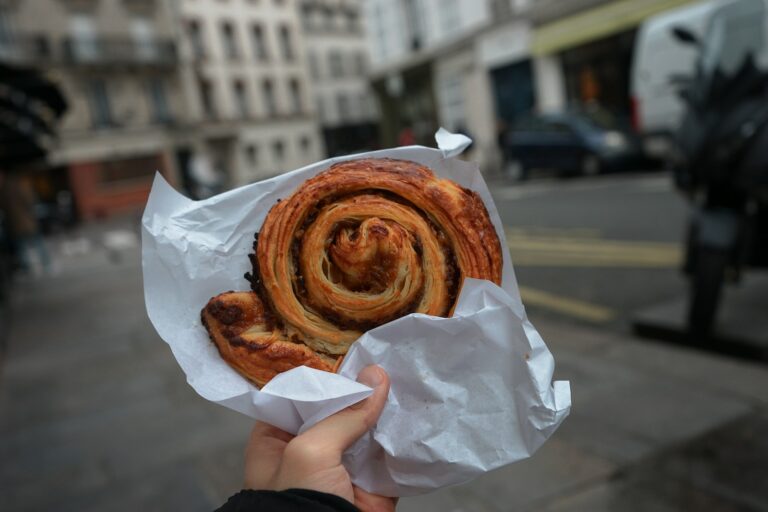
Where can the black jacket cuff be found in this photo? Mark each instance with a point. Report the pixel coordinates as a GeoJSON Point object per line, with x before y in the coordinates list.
{"type": "Point", "coordinates": [292, 500]}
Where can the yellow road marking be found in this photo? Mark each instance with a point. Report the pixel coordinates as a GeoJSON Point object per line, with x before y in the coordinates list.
{"type": "Point", "coordinates": [571, 251]}
{"type": "Point", "coordinates": [579, 233]}
{"type": "Point", "coordinates": [570, 307]}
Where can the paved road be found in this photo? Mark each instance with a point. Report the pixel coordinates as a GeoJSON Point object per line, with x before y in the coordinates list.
{"type": "Point", "coordinates": [96, 415]}
{"type": "Point", "coordinates": [595, 249]}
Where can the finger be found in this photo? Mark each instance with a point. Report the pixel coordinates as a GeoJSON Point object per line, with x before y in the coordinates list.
{"type": "Point", "coordinates": [368, 502]}
{"type": "Point", "coordinates": [263, 454]}
{"type": "Point", "coordinates": [336, 433]}
{"type": "Point", "coordinates": [263, 430]}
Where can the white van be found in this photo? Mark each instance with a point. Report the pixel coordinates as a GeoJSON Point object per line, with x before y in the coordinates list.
{"type": "Point", "coordinates": [659, 57]}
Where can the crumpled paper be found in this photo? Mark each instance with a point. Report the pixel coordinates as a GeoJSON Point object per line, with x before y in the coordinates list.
{"type": "Point", "coordinates": [469, 393]}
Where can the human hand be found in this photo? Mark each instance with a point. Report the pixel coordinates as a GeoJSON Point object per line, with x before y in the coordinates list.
{"type": "Point", "coordinates": [276, 460]}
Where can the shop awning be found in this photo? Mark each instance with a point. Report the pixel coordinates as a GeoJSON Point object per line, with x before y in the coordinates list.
{"type": "Point", "coordinates": [602, 21]}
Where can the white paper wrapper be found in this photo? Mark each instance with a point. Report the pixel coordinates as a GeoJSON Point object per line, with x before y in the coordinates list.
{"type": "Point", "coordinates": [469, 393]}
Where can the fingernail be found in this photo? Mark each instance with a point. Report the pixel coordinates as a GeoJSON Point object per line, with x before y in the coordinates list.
{"type": "Point", "coordinates": [371, 376]}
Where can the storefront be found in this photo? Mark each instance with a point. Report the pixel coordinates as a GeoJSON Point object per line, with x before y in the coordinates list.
{"type": "Point", "coordinates": [104, 188]}
{"type": "Point", "coordinates": [586, 57]}
{"type": "Point", "coordinates": [407, 105]}
{"type": "Point", "coordinates": [597, 73]}
{"type": "Point", "coordinates": [513, 91]}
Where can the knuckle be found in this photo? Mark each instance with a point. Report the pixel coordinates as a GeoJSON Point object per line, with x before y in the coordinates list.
{"type": "Point", "coordinates": [301, 452]}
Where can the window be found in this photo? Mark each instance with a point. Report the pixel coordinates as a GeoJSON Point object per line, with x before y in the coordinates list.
{"type": "Point", "coordinates": [361, 65]}
{"type": "Point", "coordinates": [143, 38]}
{"type": "Point", "coordinates": [259, 43]}
{"type": "Point", "coordinates": [206, 98]}
{"type": "Point", "coordinates": [196, 39]}
{"type": "Point", "coordinates": [158, 101]}
{"type": "Point", "coordinates": [252, 154]}
{"type": "Point", "coordinates": [449, 16]}
{"type": "Point", "coordinates": [305, 143]}
{"type": "Point", "coordinates": [453, 107]}
{"type": "Point", "coordinates": [342, 102]}
{"type": "Point", "coordinates": [321, 112]}
{"type": "Point", "coordinates": [98, 99]}
{"type": "Point", "coordinates": [330, 19]}
{"type": "Point", "coordinates": [557, 127]}
{"type": "Point", "coordinates": [381, 33]}
{"type": "Point", "coordinates": [268, 94]}
{"type": "Point", "coordinates": [335, 64]}
{"type": "Point", "coordinates": [241, 100]}
{"type": "Point", "coordinates": [353, 20]}
{"type": "Point", "coordinates": [314, 65]}
{"type": "Point", "coordinates": [413, 18]}
{"type": "Point", "coordinates": [5, 28]}
{"type": "Point", "coordinates": [228, 41]}
{"type": "Point", "coordinates": [84, 45]}
{"type": "Point", "coordinates": [295, 88]}
{"type": "Point", "coordinates": [278, 149]}
{"type": "Point", "coordinates": [307, 11]}
{"type": "Point", "coordinates": [286, 43]}
{"type": "Point", "coordinates": [362, 106]}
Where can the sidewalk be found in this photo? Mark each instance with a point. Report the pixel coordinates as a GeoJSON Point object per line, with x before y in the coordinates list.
{"type": "Point", "coordinates": [96, 415]}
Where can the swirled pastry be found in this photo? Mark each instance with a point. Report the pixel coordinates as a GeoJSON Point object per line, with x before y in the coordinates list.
{"type": "Point", "coordinates": [358, 245]}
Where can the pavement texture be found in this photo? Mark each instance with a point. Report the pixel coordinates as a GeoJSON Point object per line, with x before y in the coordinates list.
{"type": "Point", "coordinates": [741, 329]}
{"type": "Point", "coordinates": [96, 415]}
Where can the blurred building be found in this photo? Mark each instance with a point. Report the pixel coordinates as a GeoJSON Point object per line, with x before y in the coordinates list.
{"type": "Point", "coordinates": [116, 63]}
{"type": "Point", "coordinates": [246, 78]}
{"type": "Point", "coordinates": [337, 53]}
{"type": "Point", "coordinates": [478, 66]}
{"type": "Point", "coordinates": [213, 93]}
{"type": "Point", "coordinates": [583, 50]}
{"type": "Point", "coordinates": [461, 64]}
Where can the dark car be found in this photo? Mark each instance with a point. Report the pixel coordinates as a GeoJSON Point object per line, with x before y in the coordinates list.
{"type": "Point", "coordinates": [570, 142]}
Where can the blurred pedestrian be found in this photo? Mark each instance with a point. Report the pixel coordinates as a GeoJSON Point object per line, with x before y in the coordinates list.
{"type": "Point", "coordinates": [304, 473]}
{"type": "Point", "coordinates": [18, 198]}
{"type": "Point", "coordinates": [406, 137]}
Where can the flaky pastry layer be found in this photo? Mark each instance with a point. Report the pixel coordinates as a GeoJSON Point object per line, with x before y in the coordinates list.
{"type": "Point", "coordinates": [354, 247]}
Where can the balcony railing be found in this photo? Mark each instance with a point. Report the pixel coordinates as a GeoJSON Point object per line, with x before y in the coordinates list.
{"type": "Point", "coordinates": [26, 49]}
{"type": "Point", "coordinates": [113, 51]}
{"type": "Point", "coordinates": [34, 49]}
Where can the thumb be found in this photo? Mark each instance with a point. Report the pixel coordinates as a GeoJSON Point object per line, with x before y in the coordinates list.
{"type": "Point", "coordinates": [338, 432]}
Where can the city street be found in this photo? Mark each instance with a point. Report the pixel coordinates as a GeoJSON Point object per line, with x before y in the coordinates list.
{"type": "Point", "coordinates": [577, 99]}
{"type": "Point", "coordinates": [94, 409]}
{"type": "Point", "coordinates": [595, 249]}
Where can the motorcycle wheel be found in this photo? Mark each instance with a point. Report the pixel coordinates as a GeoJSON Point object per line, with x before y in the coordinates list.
{"type": "Point", "coordinates": [706, 288]}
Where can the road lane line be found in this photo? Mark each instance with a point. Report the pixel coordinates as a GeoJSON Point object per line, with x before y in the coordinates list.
{"type": "Point", "coordinates": [544, 261]}
{"type": "Point", "coordinates": [569, 251]}
{"type": "Point", "coordinates": [571, 307]}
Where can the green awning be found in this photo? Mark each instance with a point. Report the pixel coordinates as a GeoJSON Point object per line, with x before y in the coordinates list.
{"type": "Point", "coordinates": [602, 21]}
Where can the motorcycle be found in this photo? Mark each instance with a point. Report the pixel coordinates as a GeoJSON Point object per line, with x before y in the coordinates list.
{"type": "Point", "coordinates": [722, 160]}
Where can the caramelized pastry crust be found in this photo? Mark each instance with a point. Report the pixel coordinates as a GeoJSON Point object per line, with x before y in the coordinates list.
{"type": "Point", "coordinates": [354, 247]}
{"type": "Point", "coordinates": [243, 332]}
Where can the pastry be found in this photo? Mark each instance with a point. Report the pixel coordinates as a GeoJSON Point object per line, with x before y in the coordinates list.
{"type": "Point", "coordinates": [356, 246]}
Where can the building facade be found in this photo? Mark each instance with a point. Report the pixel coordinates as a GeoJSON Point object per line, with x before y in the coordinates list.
{"type": "Point", "coordinates": [246, 78]}
{"type": "Point", "coordinates": [582, 50]}
{"type": "Point", "coordinates": [116, 63]}
{"type": "Point", "coordinates": [337, 54]}
{"type": "Point", "coordinates": [450, 64]}
{"type": "Point", "coordinates": [212, 93]}
{"type": "Point", "coordinates": [477, 67]}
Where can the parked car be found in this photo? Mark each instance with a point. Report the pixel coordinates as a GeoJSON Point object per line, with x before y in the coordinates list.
{"type": "Point", "coordinates": [576, 142]}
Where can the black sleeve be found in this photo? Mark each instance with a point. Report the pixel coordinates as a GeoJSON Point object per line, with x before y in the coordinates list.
{"type": "Point", "coordinates": [292, 500]}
